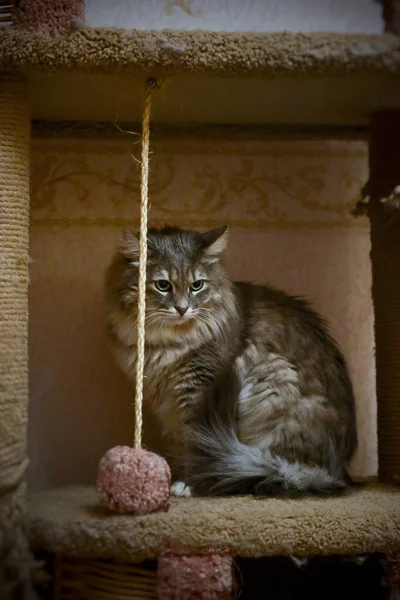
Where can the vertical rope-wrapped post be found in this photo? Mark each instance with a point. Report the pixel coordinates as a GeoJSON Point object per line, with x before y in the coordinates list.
{"type": "Point", "coordinates": [15, 561]}
{"type": "Point", "coordinates": [384, 164]}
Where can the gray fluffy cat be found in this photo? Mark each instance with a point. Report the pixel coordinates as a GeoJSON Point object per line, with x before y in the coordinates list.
{"type": "Point", "coordinates": [249, 388]}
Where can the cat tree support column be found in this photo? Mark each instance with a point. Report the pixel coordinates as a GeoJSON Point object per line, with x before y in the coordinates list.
{"type": "Point", "coordinates": [385, 256]}
{"type": "Point", "coordinates": [384, 214]}
{"type": "Point", "coordinates": [204, 574]}
{"type": "Point", "coordinates": [15, 561]}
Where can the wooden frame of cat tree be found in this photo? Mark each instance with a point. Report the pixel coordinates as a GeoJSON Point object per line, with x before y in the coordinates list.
{"type": "Point", "coordinates": [196, 536]}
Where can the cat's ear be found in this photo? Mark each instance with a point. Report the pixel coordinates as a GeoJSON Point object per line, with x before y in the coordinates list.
{"type": "Point", "coordinates": [215, 242]}
{"type": "Point", "coordinates": [129, 246]}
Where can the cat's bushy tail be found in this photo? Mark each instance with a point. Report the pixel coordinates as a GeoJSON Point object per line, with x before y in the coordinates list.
{"type": "Point", "coordinates": [218, 463]}
{"type": "Point", "coordinates": [221, 464]}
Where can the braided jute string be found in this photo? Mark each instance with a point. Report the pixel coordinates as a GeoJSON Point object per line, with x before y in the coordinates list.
{"type": "Point", "coordinates": [151, 84]}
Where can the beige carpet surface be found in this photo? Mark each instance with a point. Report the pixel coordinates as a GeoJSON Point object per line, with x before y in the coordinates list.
{"type": "Point", "coordinates": [71, 522]}
{"type": "Point", "coordinates": [199, 52]}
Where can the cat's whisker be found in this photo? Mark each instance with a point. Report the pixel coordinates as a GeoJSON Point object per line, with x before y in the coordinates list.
{"type": "Point", "coordinates": [160, 324]}
{"type": "Point", "coordinates": [216, 324]}
{"type": "Point", "coordinates": [211, 324]}
{"type": "Point", "coordinates": [153, 320]}
{"type": "Point", "coordinates": [151, 316]}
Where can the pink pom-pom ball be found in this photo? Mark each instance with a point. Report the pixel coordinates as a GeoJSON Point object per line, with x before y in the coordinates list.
{"type": "Point", "coordinates": [133, 480]}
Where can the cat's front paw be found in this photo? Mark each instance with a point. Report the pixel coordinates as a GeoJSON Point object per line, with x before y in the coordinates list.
{"type": "Point", "coordinates": [180, 490]}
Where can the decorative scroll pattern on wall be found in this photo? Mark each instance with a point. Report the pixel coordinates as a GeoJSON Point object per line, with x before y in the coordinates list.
{"type": "Point", "coordinates": [246, 184]}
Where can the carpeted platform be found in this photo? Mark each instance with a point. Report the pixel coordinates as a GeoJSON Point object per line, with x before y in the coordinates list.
{"type": "Point", "coordinates": [200, 52]}
{"type": "Point", "coordinates": [70, 521]}
{"type": "Point", "coordinates": [223, 77]}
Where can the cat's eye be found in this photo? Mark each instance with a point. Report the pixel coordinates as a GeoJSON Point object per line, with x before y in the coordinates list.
{"type": "Point", "coordinates": [196, 286]}
{"type": "Point", "coordinates": [163, 285]}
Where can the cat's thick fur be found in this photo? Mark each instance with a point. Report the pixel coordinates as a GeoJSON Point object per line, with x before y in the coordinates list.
{"type": "Point", "coordinates": [248, 385]}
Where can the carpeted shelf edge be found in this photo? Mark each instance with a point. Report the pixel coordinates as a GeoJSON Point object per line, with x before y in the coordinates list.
{"type": "Point", "coordinates": [167, 52]}
{"type": "Point", "coordinates": [69, 521]}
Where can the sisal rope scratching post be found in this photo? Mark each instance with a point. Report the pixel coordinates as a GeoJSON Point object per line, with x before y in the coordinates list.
{"type": "Point", "coordinates": [133, 479]}
{"type": "Point", "coordinates": [15, 560]}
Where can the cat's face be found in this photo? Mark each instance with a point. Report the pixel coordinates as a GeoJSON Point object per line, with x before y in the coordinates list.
{"type": "Point", "coordinates": [185, 279]}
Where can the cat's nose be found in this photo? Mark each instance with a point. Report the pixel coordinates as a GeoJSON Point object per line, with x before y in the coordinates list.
{"type": "Point", "coordinates": [181, 310]}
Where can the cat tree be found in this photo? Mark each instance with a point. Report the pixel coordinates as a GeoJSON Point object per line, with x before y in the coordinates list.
{"type": "Point", "coordinates": [40, 57]}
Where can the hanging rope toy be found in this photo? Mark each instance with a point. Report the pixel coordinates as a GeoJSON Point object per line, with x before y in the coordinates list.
{"type": "Point", "coordinates": [135, 480]}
